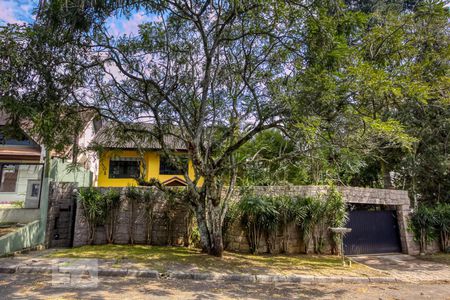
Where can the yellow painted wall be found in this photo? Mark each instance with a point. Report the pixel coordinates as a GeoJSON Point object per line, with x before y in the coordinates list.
{"type": "Point", "coordinates": [152, 164]}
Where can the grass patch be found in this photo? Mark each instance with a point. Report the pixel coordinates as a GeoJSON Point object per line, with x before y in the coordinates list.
{"type": "Point", "coordinates": [187, 259]}
{"type": "Point", "coordinates": [443, 258]}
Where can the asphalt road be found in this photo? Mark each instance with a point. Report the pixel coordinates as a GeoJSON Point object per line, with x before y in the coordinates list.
{"type": "Point", "coordinates": [24, 286]}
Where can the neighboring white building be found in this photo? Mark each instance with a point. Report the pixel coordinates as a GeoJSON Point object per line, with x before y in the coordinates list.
{"type": "Point", "coordinates": [22, 163]}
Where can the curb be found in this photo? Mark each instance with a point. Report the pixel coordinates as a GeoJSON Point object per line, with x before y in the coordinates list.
{"type": "Point", "coordinates": [153, 274]}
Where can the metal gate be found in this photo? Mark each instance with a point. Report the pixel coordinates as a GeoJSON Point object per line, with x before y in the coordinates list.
{"type": "Point", "coordinates": [372, 232]}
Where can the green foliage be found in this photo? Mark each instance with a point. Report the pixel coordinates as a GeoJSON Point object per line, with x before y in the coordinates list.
{"type": "Point", "coordinates": [312, 214]}
{"type": "Point", "coordinates": [258, 217]}
{"type": "Point", "coordinates": [112, 205]}
{"type": "Point", "coordinates": [422, 224]}
{"type": "Point", "coordinates": [265, 216]}
{"type": "Point", "coordinates": [18, 204]}
{"type": "Point", "coordinates": [232, 214]}
{"type": "Point", "coordinates": [134, 194]}
{"type": "Point", "coordinates": [287, 214]}
{"type": "Point", "coordinates": [317, 214]}
{"type": "Point", "coordinates": [194, 238]}
{"type": "Point", "coordinates": [442, 224]}
{"type": "Point", "coordinates": [94, 209]}
{"type": "Point", "coordinates": [36, 81]}
{"type": "Point", "coordinates": [431, 222]}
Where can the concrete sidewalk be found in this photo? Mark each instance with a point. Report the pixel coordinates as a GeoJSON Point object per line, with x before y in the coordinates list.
{"type": "Point", "coordinates": [392, 268]}
{"type": "Point", "coordinates": [406, 268]}
{"type": "Point", "coordinates": [36, 263]}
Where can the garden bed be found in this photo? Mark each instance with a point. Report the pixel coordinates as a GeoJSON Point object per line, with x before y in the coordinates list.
{"type": "Point", "coordinates": [166, 259]}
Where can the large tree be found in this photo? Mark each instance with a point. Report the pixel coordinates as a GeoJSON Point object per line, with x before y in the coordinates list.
{"type": "Point", "coordinates": [206, 73]}
{"type": "Point", "coordinates": [339, 76]}
{"type": "Point", "coordinates": [36, 79]}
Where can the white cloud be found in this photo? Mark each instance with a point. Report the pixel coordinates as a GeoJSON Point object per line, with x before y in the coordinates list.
{"type": "Point", "coordinates": [16, 11]}
{"type": "Point", "coordinates": [7, 13]}
{"type": "Point", "coordinates": [129, 26]}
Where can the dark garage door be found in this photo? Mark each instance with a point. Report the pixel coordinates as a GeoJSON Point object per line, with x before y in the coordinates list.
{"type": "Point", "coordinates": [372, 232]}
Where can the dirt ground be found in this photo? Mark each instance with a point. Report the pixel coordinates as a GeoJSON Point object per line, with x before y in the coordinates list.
{"type": "Point", "coordinates": [26, 286]}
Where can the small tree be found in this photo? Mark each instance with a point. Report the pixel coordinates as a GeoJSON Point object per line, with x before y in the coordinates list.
{"type": "Point", "coordinates": [316, 214]}
{"type": "Point", "coordinates": [94, 210]}
{"type": "Point", "coordinates": [286, 215]}
{"type": "Point", "coordinates": [337, 215]}
{"type": "Point", "coordinates": [422, 224]}
{"type": "Point", "coordinates": [233, 214]}
{"type": "Point", "coordinates": [112, 206]}
{"type": "Point", "coordinates": [149, 201]}
{"type": "Point", "coordinates": [304, 219]}
{"type": "Point", "coordinates": [134, 196]}
{"type": "Point", "coordinates": [259, 218]}
{"type": "Point", "coordinates": [442, 225]}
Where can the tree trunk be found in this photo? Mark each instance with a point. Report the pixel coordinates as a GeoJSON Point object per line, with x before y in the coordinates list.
{"type": "Point", "coordinates": [209, 220]}
{"type": "Point", "coordinates": [387, 180]}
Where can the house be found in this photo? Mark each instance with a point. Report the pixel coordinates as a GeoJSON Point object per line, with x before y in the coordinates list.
{"type": "Point", "coordinates": [121, 162]}
{"type": "Point", "coordinates": [22, 159]}
{"type": "Point", "coordinates": [76, 163]}
{"type": "Point", "coordinates": [21, 167]}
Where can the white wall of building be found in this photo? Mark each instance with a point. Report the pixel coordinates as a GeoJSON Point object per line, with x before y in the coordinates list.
{"type": "Point", "coordinates": [25, 173]}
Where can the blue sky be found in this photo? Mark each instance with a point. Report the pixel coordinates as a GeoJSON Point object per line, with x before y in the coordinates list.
{"type": "Point", "coordinates": [21, 11]}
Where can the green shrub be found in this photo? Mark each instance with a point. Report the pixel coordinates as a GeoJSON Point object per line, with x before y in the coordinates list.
{"type": "Point", "coordinates": [94, 209]}
{"type": "Point", "coordinates": [258, 217]}
{"type": "Point", "coordinates": [315, 215]}
{"type": "Point", "coordinates": [422, 224]}
{"type": "Point", "coordinates": [442, 225]}
{"type": "Point", "coordinates": [287, 213]}
{"type": "Point", "coordinates": [149, 201]}
{"type": "Point", "coordinates": [232, 214]}
{"type": "Point", "coordinates": [112, 207]}
{"type": "Point", "coordinates": [265, 216]}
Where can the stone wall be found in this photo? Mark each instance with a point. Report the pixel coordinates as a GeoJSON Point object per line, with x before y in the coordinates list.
{"type": "Point", "coordinates": [236, 241]}
{"type": "Point", "coordinates": [394, 199]}
{"type": "Point", "coordinates": [60, 217]}
{"type": "Point", "coordinates": [164, 232]}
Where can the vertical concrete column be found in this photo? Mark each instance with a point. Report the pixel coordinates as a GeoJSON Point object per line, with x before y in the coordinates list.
{"type": "Point", "coordinates": [43, 208]}
{"type": "Point", "coordinates": [409, 246]}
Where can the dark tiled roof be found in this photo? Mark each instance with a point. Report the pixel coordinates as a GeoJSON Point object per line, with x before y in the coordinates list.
{"type": "Point", "coordinates": [110, 136]}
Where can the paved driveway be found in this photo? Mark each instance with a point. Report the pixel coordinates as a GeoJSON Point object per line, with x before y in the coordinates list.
{"type": "Point", "coordinates": [407, 267]}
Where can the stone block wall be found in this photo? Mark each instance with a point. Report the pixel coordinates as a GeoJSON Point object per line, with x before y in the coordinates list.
{"type": "Point", "coordinates": [163, 231]}
{"type": "Point", "coordinates": [60, 218]}
{"type": "Point", "coordinates": [395, 199]}
{"type": "Point", "coordinates": [236, 241]}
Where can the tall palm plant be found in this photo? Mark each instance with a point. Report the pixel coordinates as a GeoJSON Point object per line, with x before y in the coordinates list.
{"type": "Point", "coordinates": [286, 215]}
{"type": "Point", "coordinates": [442, 225]}
{"type": "Point", "coordinates": [258, 217]}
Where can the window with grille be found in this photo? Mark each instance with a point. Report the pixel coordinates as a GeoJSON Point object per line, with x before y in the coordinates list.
{"type": "Point", "coordinates": [128, 167]}
{"type": "Point", "coordinates": [166, 167]}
